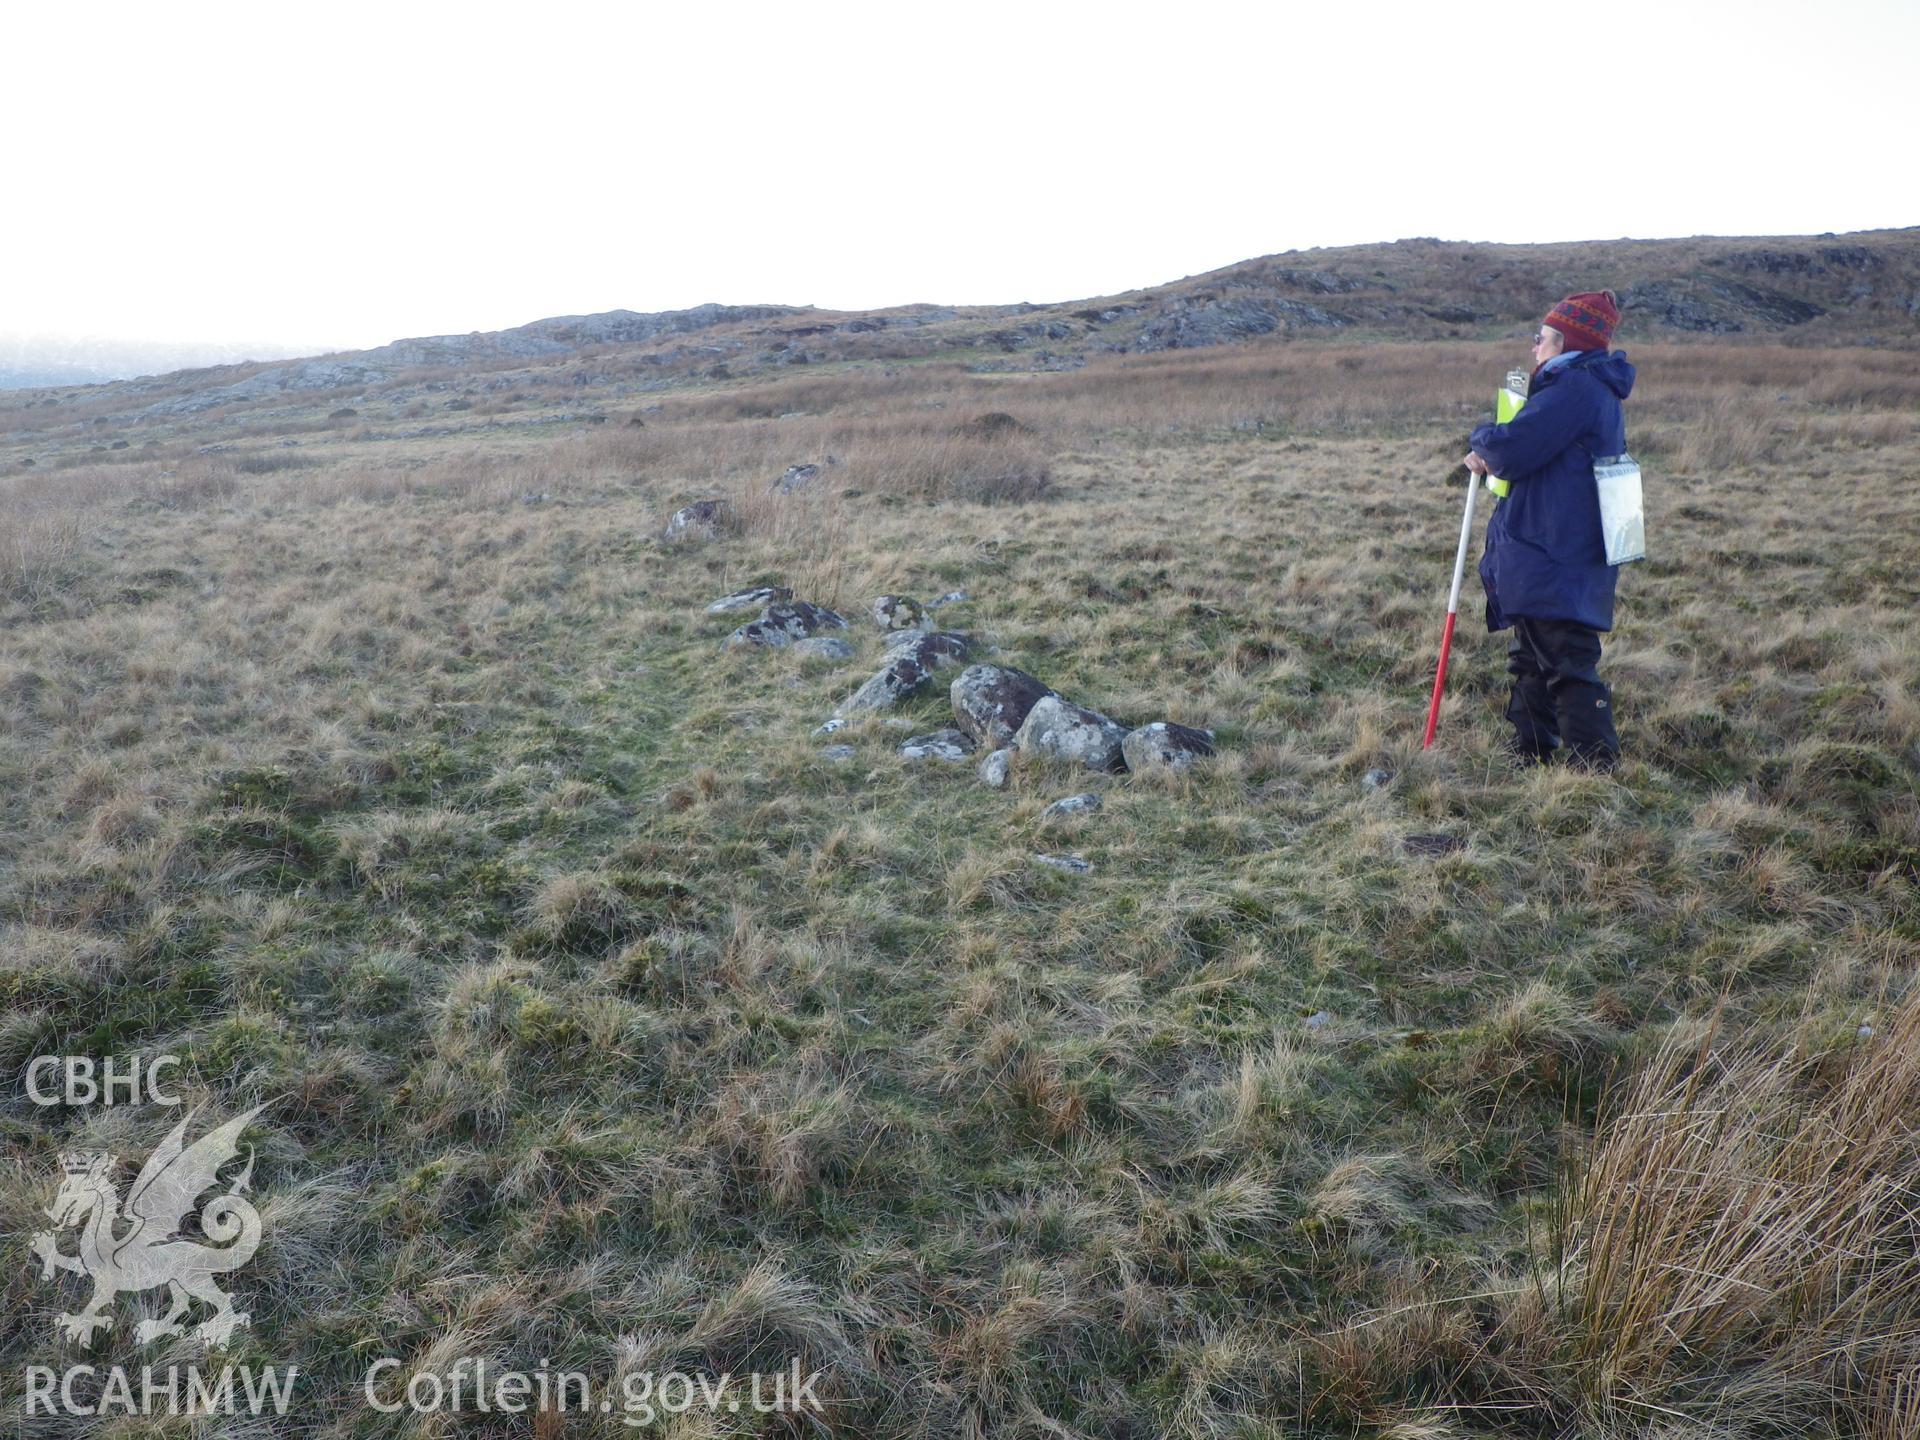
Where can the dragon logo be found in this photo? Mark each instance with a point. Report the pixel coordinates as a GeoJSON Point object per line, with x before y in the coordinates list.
{"type": "Point", "coordinates": [150, 1251]}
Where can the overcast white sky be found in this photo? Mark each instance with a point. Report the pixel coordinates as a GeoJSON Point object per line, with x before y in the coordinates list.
{"type": "Point", "coordinates": [346, 174]}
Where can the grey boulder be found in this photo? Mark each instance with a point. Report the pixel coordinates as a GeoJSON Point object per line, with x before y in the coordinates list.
{"type": "Point", "coordinates": [912, 666]}
{"type": "Point", "coordinates": [1062, 730]}
{"type": "Point", "coordinates": [702, 520]}
{"type": "Point", "coordinates": [992, 702]}
{"type": "Point", "coordinates": [1165, 746]}
{"type": "Point", "coordinates": [782, 624]}
{"type": "Point", "coordinates": [898, 612]}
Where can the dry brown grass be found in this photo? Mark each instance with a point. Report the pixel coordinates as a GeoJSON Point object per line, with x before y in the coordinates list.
{"type": "Point", "coordinates": [375, 785]}
{"type": "Point", "coordinates": [1742, 1246]}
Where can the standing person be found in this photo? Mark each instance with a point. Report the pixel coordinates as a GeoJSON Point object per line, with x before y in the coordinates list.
{"type": "Point", "coordinates": [1545, 565]}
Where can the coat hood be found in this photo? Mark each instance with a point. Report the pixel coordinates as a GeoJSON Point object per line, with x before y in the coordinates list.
{"type": "Point", "coordinates": [1610, 367]}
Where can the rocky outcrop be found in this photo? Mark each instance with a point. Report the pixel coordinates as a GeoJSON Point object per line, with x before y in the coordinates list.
{"type": "Point", "coordinates": [1061, 730]}
{"type": "Point", "coordinates": [1165, 746]}
{"type": "Point", "coordinates": [992, 702]}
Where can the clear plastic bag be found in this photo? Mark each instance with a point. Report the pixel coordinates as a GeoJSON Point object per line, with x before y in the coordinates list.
{"type": "Point", "coordinates": [1623, 513]}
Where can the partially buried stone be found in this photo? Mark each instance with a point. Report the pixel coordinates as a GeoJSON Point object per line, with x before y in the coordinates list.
{"type": "Point", "coordinates": [993, 769]}
{"type": "Point", "coordinates": [702, 520]}
{"type": "Point", "coordinates": [823, 647]}
{"type": "Point", "coordinates": [1073, 864]}
{"type": "Point", "coordinates": [837, 753]}
{"type": "Point", "coordinates": [784, 623]}
{"type": "Point", "coordinates": [1073, 805]}
{"type": "Point", "coordinates": [1165, 746]}
{"type": "Point", "coordinates": [948, 744]}
{"type": "Point", "coordinates": [759, 595]}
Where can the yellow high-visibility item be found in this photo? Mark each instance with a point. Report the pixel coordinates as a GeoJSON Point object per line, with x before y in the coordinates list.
{"type": "Point", "coordinates": [1507, 401]}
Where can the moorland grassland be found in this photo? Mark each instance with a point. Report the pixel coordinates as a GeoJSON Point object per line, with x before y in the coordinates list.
{"type": "Point", "coordinates": [606, 1023]}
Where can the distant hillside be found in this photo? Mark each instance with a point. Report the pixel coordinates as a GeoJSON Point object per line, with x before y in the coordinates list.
{"type": "Point", "coordinates": [48, 360]}
{"type": "Point", "coordinates": [1860, 289]}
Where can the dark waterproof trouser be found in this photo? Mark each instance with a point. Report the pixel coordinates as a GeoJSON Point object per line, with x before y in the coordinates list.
{"type": "Point", "coordinates": [1557, 697]}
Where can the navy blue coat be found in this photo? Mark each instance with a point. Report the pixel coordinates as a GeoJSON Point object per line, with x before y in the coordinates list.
{"type": "Point", "coordinates": [1545, 557]}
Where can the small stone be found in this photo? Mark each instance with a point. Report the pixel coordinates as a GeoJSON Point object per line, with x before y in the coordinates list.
{"type": "Point", "coordinates": [1073, 864]}
{"type": "Point", "coordinates": [952, 597]}
{"type": "Point", "coordinates": [1865, 1032]}
{"type": "Point", "coordinates": [823, 647]}
{"type": "Point", "coordinates": [1319, 1020]}
{"type": "Point", "coordinates": [1084, 804]}
{"type": "Point", "coordinates": [829, 726]}
{"type": "Point", "coordinates": [948, 744]}
{"type": "Point", "coordinates": [993, 769]}
{"type": "Point", "coordinates": [1375, 779]}
{"type": "Point", "coordinates": [898, 612]}
{"type": "Point", "coordinates": [1165, 746]}
{"type": "Point", "coordinates": [756, 598]}
{"type": "Point", "coordinates": [838, 752]}
{"type": "Point", "coordinates": [1427, 845]}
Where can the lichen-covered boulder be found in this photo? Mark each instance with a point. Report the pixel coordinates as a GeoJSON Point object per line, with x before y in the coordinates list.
{"type": "Point", "coordinates": [797, 477]}
{"type": "Point", "coordinates": [1165, 746]}
{"type": "Point", "coordinates": [702, 520]}
{"type": "Point", "coordinates": [757, 598]}
{"type": "Point", "coordinates": [1062, 730]}
{"type": "Point", "coordinates": [887, 687]}
{"type": "Point", "coordinates": [898, 612]}
{"type": "Point", "coordinates": [936, 649]}
{"type": "Point", "coordinates": [912, 665]}
{"type": "Point", "coordinates": [991, 702]}
{"type": "Point", "coordinates": [993, 770]}
{"type": "Point", "coordinates": [783, 623]}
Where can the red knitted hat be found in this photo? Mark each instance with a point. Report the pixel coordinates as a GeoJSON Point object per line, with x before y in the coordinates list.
{"type": "Point", "coordinates": [1586, 320]}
